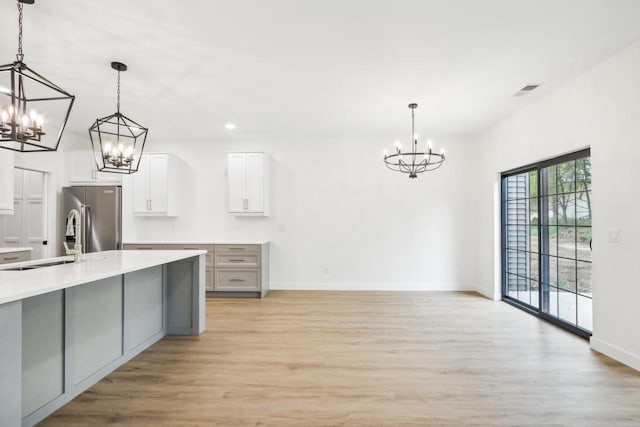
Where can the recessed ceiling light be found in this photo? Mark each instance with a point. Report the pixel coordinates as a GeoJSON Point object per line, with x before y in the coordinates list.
{"type": "Point", "coordinates": [230, 126]}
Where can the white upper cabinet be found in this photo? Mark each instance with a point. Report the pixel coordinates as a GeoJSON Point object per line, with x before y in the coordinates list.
{"type": "Point", "coordinates": [156, 187]}
{"type": "Point", "coordinates": [82, 170]}
{"type": "Point", "coordinates": [7, 180]}
{"type": "Point", "coordinates": [248, 184]}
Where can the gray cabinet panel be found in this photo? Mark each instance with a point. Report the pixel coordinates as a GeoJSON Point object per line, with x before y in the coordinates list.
{"type": "Point", "coordinates": [179, 295]}
{"type": "Point", "coordinates": [42, 350]}
{"type": "Point", "coordinates": [95, 312]}
{"type": "Point", "coordinates": [143, 309]}
{"type": "Point", "coordinates": [10, 361]}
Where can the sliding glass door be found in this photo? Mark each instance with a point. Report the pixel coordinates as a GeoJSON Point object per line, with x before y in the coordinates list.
{"type": "Point", "coordinates": [546, 240]}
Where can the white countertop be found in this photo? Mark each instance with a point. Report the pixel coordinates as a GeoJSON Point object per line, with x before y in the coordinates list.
{"type": "Point", "coordinates": [8, 250]}
{"type": "Point", "coordinates": [17, 285]}
{"type": "Point", "coordinates": [196, 242]}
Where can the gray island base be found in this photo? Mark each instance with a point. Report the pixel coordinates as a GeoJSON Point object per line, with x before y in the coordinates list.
{"type": "Point", "coordinates": [64, 329]}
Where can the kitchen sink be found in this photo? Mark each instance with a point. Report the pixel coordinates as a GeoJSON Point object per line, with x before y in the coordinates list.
{"type": "Point", "coordinates": [35, 266]}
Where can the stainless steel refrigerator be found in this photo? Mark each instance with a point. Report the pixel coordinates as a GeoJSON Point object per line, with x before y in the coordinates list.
{"type": "Point", "coordinates": [100, 216]}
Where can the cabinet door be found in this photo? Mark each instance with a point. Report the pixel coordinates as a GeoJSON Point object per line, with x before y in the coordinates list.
{"type": "Point", "coordinates": [81, 166]}
{"type": "Point", "coordinates": [158, 188]}
{"type": "Point", "coordinates": [237, 166]}
{"type": "Point", "coordinates": [255, 183]}
{"type": "Point", "coordinates": [83, 170]}
{"type": "Point", "coordinates": [141, 187]}
{"type": "Point", "coordinates": [6, 182]}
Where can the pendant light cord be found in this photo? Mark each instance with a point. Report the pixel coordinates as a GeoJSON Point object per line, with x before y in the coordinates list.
{"type": "Point", "coordinates": [118, 104]}
{"type": "Point", "coordinates": [20, 55]}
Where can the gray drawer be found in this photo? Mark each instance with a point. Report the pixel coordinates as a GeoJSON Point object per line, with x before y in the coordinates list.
{"type": "Point", "coordinates": [142, 247]}
{"type": "Point", "coordinates": [238, 249]}
{"type": "Point", "coordinates": [236, 279]}
{"type": "Point", "coordinates": [184, 247]}
{"type": "Point", "coordinates": [237, 260]}
{"type": "Point", "coordinates": [11, 257]}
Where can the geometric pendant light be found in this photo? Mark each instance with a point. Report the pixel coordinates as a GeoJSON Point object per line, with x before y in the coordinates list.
{"type": "Point", "coordinates": [117, 140]}
{"type": "Point", "coordinates": [33, 110]}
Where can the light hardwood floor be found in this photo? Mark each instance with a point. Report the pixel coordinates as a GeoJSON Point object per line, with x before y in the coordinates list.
{"type": "Point", "coordinates": [365, 359]}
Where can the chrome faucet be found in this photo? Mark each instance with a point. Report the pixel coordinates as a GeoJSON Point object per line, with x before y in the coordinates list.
{"type": "Point", "coordinates": [74, 229]}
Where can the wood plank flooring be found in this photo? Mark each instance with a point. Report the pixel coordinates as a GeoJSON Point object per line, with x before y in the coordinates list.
{"type": "Point", "coordinates": [364, 359]}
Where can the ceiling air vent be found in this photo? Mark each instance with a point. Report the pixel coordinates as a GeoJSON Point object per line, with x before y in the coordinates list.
{"type": "Point", "coordinates": [525, 90]}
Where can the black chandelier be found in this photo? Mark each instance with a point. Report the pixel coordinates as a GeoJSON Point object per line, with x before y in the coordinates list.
{"type": "Point", "coordinates": [117, 140]}
{"type": "Point", "coordinates": [27, 100]}
{"type": "Point", "coordinates": [413, 162]}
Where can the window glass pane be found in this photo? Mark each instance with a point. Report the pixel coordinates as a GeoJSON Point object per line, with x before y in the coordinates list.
{"type": "Point", "coordinates": [553, 271]}
{"type": "Point", "coordinates": [567, 306]}
{"type": "Point", "coordinates": [584, 278]}
{"type": "Point", "coordinates": [567, 242]}
{"type": "Point", "coordinates": [551, 180]}
{"type": "Point", "coordinates": [567, 274]}
{"type": "Point", "coordinates": [566, 209]}
{"type": "Point", "coordinates": [551, 205]}
{"type": "Point", "coordinates": [533, 184]}
{"type": "Point", "coordinates": [585, 313]}
{"type": "Point", "coordinates": [553, 241]}
{"type": "Point", "coordinates": [535, 290]}
{"type": "Point", "coordinates": [584, 243]}
{"type": "Point", "coordinates": [533, 239]}
{"type": "Point", "coordinates": [553, 301]}
{"type": "Point", "coordinates": [533, 266]}
{"type": "Point", "coordinates": [533, 212]}
{"type": "Point", "coordinates": [524, 293]}
{"type": "Point", "coordinates": [583, 208]}
{"type": "Point", "coordinates": [583, 174]}
{"type": "Point", "coordinates": [512, 286]}
{"type": "Point", "coordinates": [566, 177]}
{"type": "Point", "coordinates": [517, 186]}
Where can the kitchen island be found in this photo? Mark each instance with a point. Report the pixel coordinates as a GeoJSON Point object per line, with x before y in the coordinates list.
{"type": "Point", "coordinates": [65, 326]}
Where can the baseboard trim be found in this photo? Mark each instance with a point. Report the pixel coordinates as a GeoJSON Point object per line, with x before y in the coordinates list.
{"type": "Point", "coordinates": [324, 286]}
{"type": "Point", "coordinates": [487, 293]}
{"type": "Point", "coordinates": [615, 352]}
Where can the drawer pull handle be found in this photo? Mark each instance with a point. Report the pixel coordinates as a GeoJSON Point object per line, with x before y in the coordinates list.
{"type": "Point", "coordinates": [145, 249]}
{"type": "Point", "coordinates": [237, 280]}
{"type": "Point", "coordinates": [236, 260]}
{"type": "Point", "coordinates": [237, 249]}
{"type": "Point", "coordinates": [11, 258]}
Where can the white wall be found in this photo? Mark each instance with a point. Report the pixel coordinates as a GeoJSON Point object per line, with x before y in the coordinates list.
{"type": "Point", "coordinates": [600, 109]}
{"type": "Point", "coordinates": [340, 219]}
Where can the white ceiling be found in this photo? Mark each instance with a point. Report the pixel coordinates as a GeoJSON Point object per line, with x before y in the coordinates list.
{"type": "Point", "coordinates": [283, 69]}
